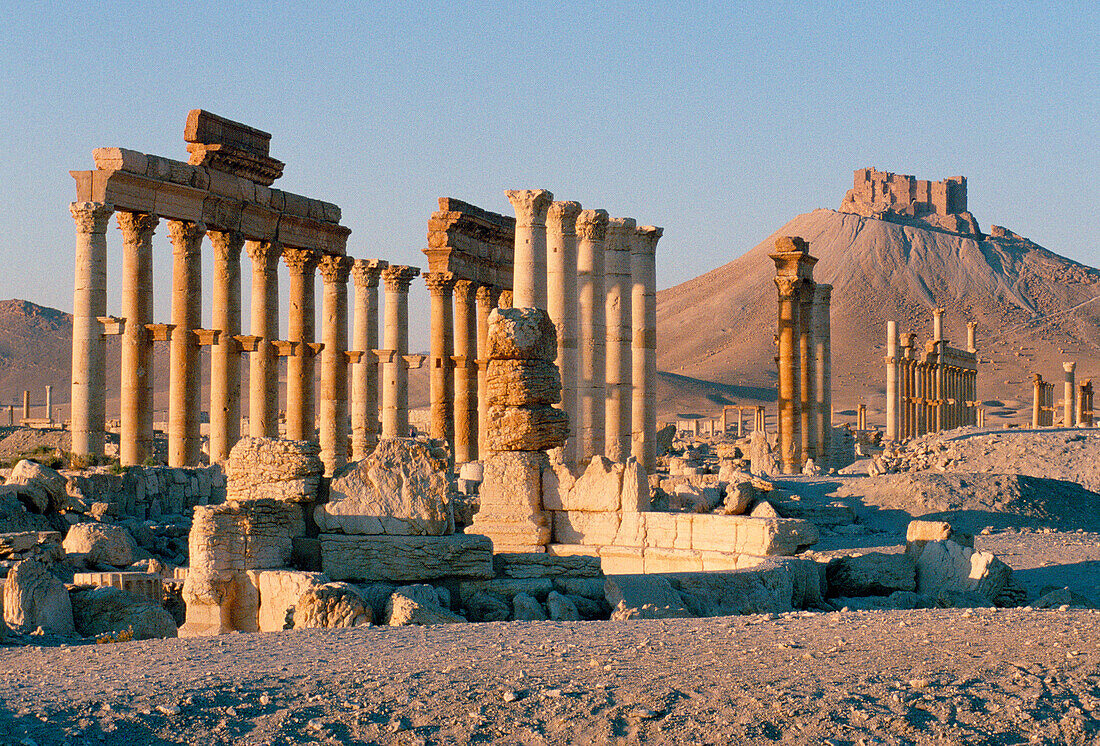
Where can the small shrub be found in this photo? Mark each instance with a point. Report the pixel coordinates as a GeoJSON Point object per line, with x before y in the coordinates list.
{"type": "Point", "coordinates": [124, 635]}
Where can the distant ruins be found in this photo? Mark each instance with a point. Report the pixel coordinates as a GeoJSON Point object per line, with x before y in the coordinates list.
{"type": "Point", "coordinates": [1077, 400]}
{"type": "Point", "coordinates": [875, 193]}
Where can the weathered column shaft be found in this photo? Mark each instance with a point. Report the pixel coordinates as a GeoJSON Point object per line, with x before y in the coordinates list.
{"type": "Point", "coordinates": [487, 298]}
{"type": "Point", "coordinates": [529, 259]}
{"type": "Point", "coordinates": [806, 365]}
{"type": "Point", "coordinates": [136, 400]}
{"type": "Point", "coordinates": [591, 331]}
{"type": "Point", "coordinates": [395, 373]}
{"type": "Point", "coordinates": [184, 383]}
{"type": "Point", "coordinates": [334, 362]}
{"type": "Point", "coordinates": [790, 440]}
{"type": "Point", "coordinates": [89, 366]}
{"type": "Point", "coordinates": [364, 374]}
{"type": "Point", "coordinates": [1069, 393]}
{"type": "Point", "coordinates": [225, 359]}
{"type": "Point", "coordinates": [617, 314]}
{"type": "Point", "coordinates": [441, 350]}
{"type": "Point", "coordinates": [823, 373]}
{"type": "Point", "coordinates": [643, 348]}
{"type": "Point", "coordinates": [465, 372]}
{"type": "Point", "coordinates": [561, 305]}
{"type": "Point", "coordinates": [301, 396]}
{"type": "Point", "coordinates": [263, 369]}
{"type": "Point", "coordinates": [892, 381]}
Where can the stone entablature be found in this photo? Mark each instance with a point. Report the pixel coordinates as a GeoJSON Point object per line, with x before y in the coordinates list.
{"type": "Point", "coordinates": [471, 243]}
{"type": "Point", "coordinates": [876, 193]}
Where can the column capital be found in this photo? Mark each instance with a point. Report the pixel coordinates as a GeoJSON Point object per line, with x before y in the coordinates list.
{"type": "Point", "coordinates": [618, 230]}
{"type": "Point", "coordinates": [467, 288]}
{"type": "Point", "coordinates": [227, 244]}
{"type": "Point", "coordinates": [562, 216]}
{"type": "Point", "coordinates": [530, 205]}
{"type": "Point", "coordinates": [91, 217]}
{"type": "Point", "coordinates": [1069, 367]}
{"type": "Point", "coordinates": [301, 260]}
{"type": "Point", "coordinates": [788, 287]}
{"type": "Point", "coordinates": [646, 238]}
{"type": "Point", "coordinates": [335, 269]}
{"type": "Point", "coordinates": [488, 294]}
{"type": "Point", "coordinates": [186, 236]}
{"type": "Point", "coordinates": [136, 227]}
{"type": "Point", "coordinates": [398, 277]}
{"type": "Point", "coordinates": [264, 254]}
{"type": "Point", "coordinates": [440, 284]}
{"type": "Point", "coordinates": [592, 224]}
{"type": "Point", "coordinates": [366, 272]}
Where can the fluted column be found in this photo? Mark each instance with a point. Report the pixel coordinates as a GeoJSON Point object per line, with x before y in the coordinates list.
{"type": "Point", "coordinates": [643, 347]}
{"type": "Point", "coordinates": [225, 360]}
{"type": "Point", "coordinates": [487, 298]}
{"type": "Point", "coordinates": [529, 259]}
{"type": "Point", "coordinates": [1069, 392]}
{"type": "Point", "coordinates": [591, 239]}
{"type": "Point", "coordinates": [334, 362]}
{"type": "Point", "coordinates": [561, 305]}
{"type": "Point", "coordinates": [617, 385]}
{"type": "Point", "coordinates": [89, 368]}
{"type": "Point", "coordinates": [395, 374]}
{"type": "Point", "coordinates": [364, 374]}
{"type": "Point", "coordinates": [892, 380]}
{"type": "Point", "coordinates": [263, 371]}
{"type": "Point", "coordinates": [441, 349]}
{"type": "Point", "coordinates": [822, 331]}
{"type": "Point", "coordinates": [790, 440]}
{"type": "Point", "coordinates": [301, 396]}
{"type": "Point", "coordinates": [136, 401]}
{"type": "Point", "coordinates": [465, 371]}
{"type": "Point", "coordinates": [184, 385]}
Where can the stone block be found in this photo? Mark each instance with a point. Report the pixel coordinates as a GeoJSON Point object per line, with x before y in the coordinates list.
{"type": "Point", "coordinates": [406, 611]}
{"type": "Point", "coordinates": [946, 569]}
{"type": "Point", "coordinates": [279, 591]}
{"type": "Point", "coordinates": [871, 574]}
{"type": "Point", "coordinates": [101, 543]}
{"type": "Point", "coordinates": [599, 488]}
{"type": "Point", "coordinates": [400, 489]}
{"type": "Point", "coordinates": [108, 609]}
{"type": "Point", "coordinates": [643, 597]}
{"type": "Point", "coordinates": [405, 559]}
{"type": "Point", "coordinates": [658, 560]}
{"type": "Point", "coordinates": [534, 428]}
{"type": "Point", "coordinates": [584, 527]}
{"type": "Point", "coordinates": [522, 383]}
{"type": "Point", "coordinates": [506, 588]}
{"type": "Point", "coordinates": [34, 597]}
{"type": "Point", "coordinates": [635, 495]}
{"type": "Point", "coordinates": [45, 485]}
{"type": "Point", "coordinates": [521, 334]}
{"type": "Point", "coordinates": [516, 565]}
{"type": "Point", "coordinates": [526, 608]}
{"type": "Point", "coordinates": [917, 533]}
{"type": "Point", "coordinates": [331, 605]}
{"type": "Point", "coordinates": [512, 482]}
{"type": "Point", "coordinates": [622, 560]}
{"type": "Point", "coordinates": [273, 469]}
{"type": "Point", "coordinates": [767, 588]}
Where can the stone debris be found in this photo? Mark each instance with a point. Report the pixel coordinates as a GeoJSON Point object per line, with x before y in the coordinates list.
{"type": "Point", "coordinates": [260, 469]}
{"type": "Point", "coordinates": [527, 608]}
{"type": "Point", "coordinates": [100, 543]}
{"type": "Point", "coordinates": [108, 610]}
{"type": "Point", "coordinates": [331, 605]}
{"type": "Point", "coordinates": [43, 488]}
{"type": "Point", "coordinates": [35, 598]}
{"type": "Point", "coordinates": [871, 574]}
{"type": "Point", "coordinates": [402, 610]}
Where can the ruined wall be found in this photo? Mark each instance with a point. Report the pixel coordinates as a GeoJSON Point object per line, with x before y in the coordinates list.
{"type": "Point", "coordinates": [874, 193]}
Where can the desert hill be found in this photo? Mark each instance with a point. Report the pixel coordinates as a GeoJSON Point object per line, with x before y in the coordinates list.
{"type": "Point", "coordinates": [1034, 309]}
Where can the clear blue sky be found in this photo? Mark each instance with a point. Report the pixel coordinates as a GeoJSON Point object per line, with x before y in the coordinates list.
{"type": "Point", "coordinates": [717, 121]}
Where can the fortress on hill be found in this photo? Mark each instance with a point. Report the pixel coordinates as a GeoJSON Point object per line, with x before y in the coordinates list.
{"type": "Point", "coordinates": [874, 193]}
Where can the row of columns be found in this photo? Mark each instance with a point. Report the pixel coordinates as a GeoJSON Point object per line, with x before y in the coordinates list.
{"type": "Point", "coordinates": [1077, 400]}
{"type": "Point", "coordinates": [185, 337]}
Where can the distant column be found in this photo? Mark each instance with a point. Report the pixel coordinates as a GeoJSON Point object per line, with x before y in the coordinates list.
{"type": "Point", "coordinates": [972, 336]}
{"type": "Point", "coordinates": [26, 404]}
{"type": "Point", "coordinates": [136, 404]}
{"type": "Point", "coordinates": [892, 381]}
{"type": "Point", "coordinates": [591, 238]}
{"type": "Point", "coordinates": [643, 347]}
{"type": "Point", "coordinates": [184, 382]}
{"type": "Point", "coordinates": [395, 373]}
{"type": "Point", "coordinates": [790, 442]}
{"type": "Point", "coordinates": [561, 305]}
{"type": "Point", "coordinates": [938, 382]}
{"type": "Point", "coordinates": [464, 364]}
{"type": "Point", "coordinates": [487, 299]}
{"type": "Point", "coordinates": [301, 394]}
{"type": "Point", "coordinates": [364, 375]}
{"type": "Point", "coordinates": [1069, 392]}
{"type": "Point", "coordinates": [807, 364]}
{"type": "Point", "coordinates": [617, 392]}
{"type": "Point", "coordinates": [225, 359]}
{"type": "Point", "coordinates": [822, 332]}
{"type": "Point", "coordinates": [263, 371]}
{"type": "Point", "coordinates": [49, 405]}
{"type": "Point", "coordinates": [529, 259]}
{"type": "Point", "coordinates": [440, 381]}
{"type": "Point", "coordinates": [334, 362]}
{"type": "Point", "coordinates": [89, 369]}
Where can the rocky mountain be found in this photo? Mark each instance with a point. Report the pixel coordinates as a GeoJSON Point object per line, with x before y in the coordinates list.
{"type": "Point", "coordinates": [1034, 309]}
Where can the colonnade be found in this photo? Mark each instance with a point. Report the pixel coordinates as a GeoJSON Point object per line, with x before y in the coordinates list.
{"type": "Point", "coordinates": [931, 391]}
{"type": "Point", "coordinates": [804, 357]}
{"type": "Point", "coordinates": [1042, 403]}
{"type": "Point", "coordinates": [1077, 400]}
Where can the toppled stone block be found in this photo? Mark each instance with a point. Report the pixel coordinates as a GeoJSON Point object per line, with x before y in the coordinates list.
{"type": "Point", "coordinates": [507, 588]}
{"type": "Point", "coordinates": [773, 586]}
{"type": "Point", "coordinates": [101, 543]}
{"type": "Point", "coordinates": [14, 516]}
{"type": "Point", "coordinates": [599, 488]}
{"type": "Point", "coordinates": [406, 559]}
{"type": "Point", "coordinates": [401, 610]}
{"type": "Point", "coordinates": [526, 565]}
{"type": "Point", "coordinates": [273, 469]}
{"type": "Point", "coordinates": [584, 527]}
{"type": "Point", "coordinates": [34, 597]}
{"type": "Point", "coordinates": [279, 591]}
{"type": "Point", "coordinates": [43, 545]}
{"type": "Point", "coordinates": [643, 597]}
{"type": "Point", "coordinates": [400, 489]}
{"type": "Point", "coordinates": [331, 605]}
{"type": "Point", "coordinates": [871, 574]}
{"type": "Point", "coordinates": [43, 486]}
{"type": "Point", "coordinates": [924, 531]}
{"type": "Point", "coordinates": [526, 608]}
{"type": "Point", "coordinates": [523, 383]}
{"type": "Point", "coordinates": [485, 607]}
{"type": "Point", "coordinates": [233, 538]}
{"type": "Point", "coordinates": [561, 608]}
{"type": "Point", "coordinates": [947, 572]}
{"type": "Point", "coordinates": [110, 610]}
{"type": "Point", "coordinates": [521, 334]}
{"type": "Point", "coordinates": [534, 428]}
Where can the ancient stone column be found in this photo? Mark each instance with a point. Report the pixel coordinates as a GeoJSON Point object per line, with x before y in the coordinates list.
{"type": "Point", "coordinates": [364, 374]}
{"type": "Point", "coordinates": [440, 380]}
{"type": "Point", "coordinates": [301, 396]}
{"type": "Point", "coordinates": [184, 383]}
{"type": "Point", "coordinates": [617, 384]}
{"type": "Point", "coordinates": [790, 440]}
{"type": "Point", "coordinates": [937, 324]}
{"type": "Point", "coordinates": [561, 304]}
{"type": "Point", "coordinates": [591, 238]}
{"type": "Point", "coordinates": [136, 400]}
{"type": "Point", "coordinates": [395, 374]}
{"type": "Point", "coordinates": [487, 298]}
{"type": "Point", "coordinates": [938, 384]}
{"type": "Point", "coordinates": [49, 405]}
{"type": "Point", "coordinates": [334, 362]}
{"type": "Point", "coordinates": [89, 369]}
{"type": "Point", "coordinates": [806, 367]}
{"type": "Point", "coordinates": [972, 336]}
{"type": "Point", "coordinates": [225, 360]}
{"type": "Point", "coordinates": [465, 371]}
{"type": "Point", "coordinates": [263, 369]}
{"type": "Point", "coordinates": [529, 259]}
{"type": "Point", "coordinates": [861, 417]}
{"type": "Point", "coordinates": [26, 404]}
{"type": "Point", "coordinates": [643, 347]}
{"type": "Point", "coordinates": [1069, 393]}
{"type": "Point", "coordinates": [892, 381]}
{"type": "Point", "coordinates": [821, 332]}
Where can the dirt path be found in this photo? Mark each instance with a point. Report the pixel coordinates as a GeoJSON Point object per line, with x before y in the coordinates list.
{"type": "Point", "coordinates": [944, 676]}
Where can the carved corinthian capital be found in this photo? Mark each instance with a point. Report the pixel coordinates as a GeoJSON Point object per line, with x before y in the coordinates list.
{"type": "Point", "coordinates": [136, 227]}
{"type": "Point", "coordinates": [227, 244]}
{"type": "Point", "coordinates": [788, 287]}
{"type": "Point", "coordinates": [440, 284]}
{"type": "Point", "coordinates": [398, 277]}
{"type": "Point", "coordinates": [530, 205]}
{"type": "Point", "coordinates": [186, 236]}
{"type": "Point", "coordinates": [335, 269]}
{"type": "Point", "coordinates": [301, 260]}
{"type": "Point", "coordinates": [265, 254]}
{"type": "Point", "coordinates": [592, 224]}
{"type": "Point", "coordinates": [562, 217]}
{"type": "Point", "coordinates": [91, 217]}
{"type": "Point", "coordinates": [366, 272]}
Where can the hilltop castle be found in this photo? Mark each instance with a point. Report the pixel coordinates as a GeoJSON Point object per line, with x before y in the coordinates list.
{"type": "Point", "coordinates": [900, 198]}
